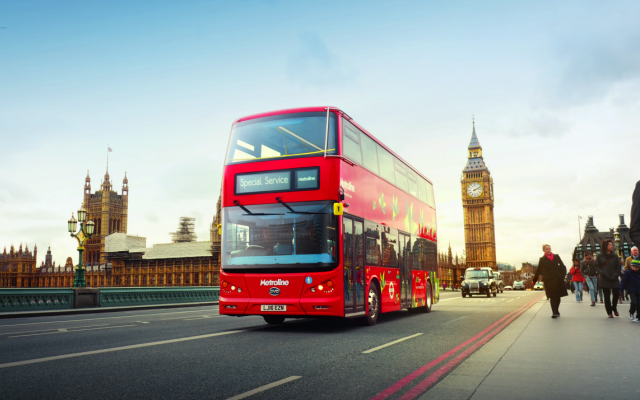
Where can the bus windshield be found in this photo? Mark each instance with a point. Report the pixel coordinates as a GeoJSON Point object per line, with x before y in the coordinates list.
{"type": "Point", "coordinates": [271, 236]}
{"type": "Point", "coordinates": [476, 274]}
{"type": "Point", "coordinates": [281, 136]}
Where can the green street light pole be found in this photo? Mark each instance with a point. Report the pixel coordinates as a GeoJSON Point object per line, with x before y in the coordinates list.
{"type": "Point", "coordinates": [85, 232]}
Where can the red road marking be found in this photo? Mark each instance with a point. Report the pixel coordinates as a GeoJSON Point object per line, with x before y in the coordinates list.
{"type": "Point", "coordinates": [433, 378]}
{"type": "Point", "coordinates": [407, 379]}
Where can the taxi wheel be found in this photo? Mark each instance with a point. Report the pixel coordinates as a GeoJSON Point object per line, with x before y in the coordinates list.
{"type": "Point", "coordinates": [273, 319]}
{"type": "Point", "coordinates": [489, 292]}
{"type": "Point", "coordinates": [464, 295]}
{"type": "Point", "coordinates": [495, 293]}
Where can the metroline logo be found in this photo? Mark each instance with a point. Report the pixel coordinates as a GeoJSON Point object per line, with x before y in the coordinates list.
{"type": "Point", "coordinates": [347, 185]}
{"type": "Point", "coordinates": [279, 282]}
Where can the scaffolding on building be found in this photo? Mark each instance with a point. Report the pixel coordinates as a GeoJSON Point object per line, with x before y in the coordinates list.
{"type": "Point", "coordinates": [185, 232]}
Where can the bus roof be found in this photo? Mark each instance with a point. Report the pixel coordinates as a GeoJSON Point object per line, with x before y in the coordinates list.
{"type": "Point", "coordinates": [324, 109]}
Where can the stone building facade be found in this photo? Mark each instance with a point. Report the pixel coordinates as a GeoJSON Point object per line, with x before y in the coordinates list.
{"type": "Point", "coordinates": [451, 269]}
{"type": "Point", "coordinates": [17, 267]}
{"type": "Point", "coordinates": [109, 211]}
{"type": "Point", "coordinates": [477, 204]}
{"type": "Point", "coordinates": [592, 239]}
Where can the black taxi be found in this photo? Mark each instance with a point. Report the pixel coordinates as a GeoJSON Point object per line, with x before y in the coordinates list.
{"type": "Point", "coordinates": [479, 281]}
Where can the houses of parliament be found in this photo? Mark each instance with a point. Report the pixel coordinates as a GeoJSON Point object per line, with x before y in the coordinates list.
{"type": "Point", "coordinates": [113, 258]}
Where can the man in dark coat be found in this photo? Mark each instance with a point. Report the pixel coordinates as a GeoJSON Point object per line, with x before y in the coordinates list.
{"type": "Point", "coordinates": [553, 271]}
{"type": "Point", "coordinates": [634, 230]}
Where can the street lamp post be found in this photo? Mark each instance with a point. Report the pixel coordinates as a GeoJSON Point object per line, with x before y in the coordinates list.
{"type": "Point", "coordinates": [85, 232]}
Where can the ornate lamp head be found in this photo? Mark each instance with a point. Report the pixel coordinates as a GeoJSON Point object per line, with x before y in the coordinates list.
{"type": "Point", "coordinates": [82, 214]}
{"type": "Point", "coordinates": [73, 223]}
{"type": "Point", "coordinates": [91, 226]}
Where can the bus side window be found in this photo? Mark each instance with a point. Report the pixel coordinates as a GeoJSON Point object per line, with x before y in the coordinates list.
{"type": "Point", "coordinates": [385, 159]}
{"type": "Point", "coordinates": [390, 249]}
{"type": "Point", "coordinates": [369, 155]}
{"type": "Point", "coordinates": [430, 199]}
{"type": "Point", "coordinates": [351, 142]}
{"type": "Point", "coordinates": [422, 190]}
{"type": "Point", "coordinates": [413, 183]}
{"type": "Point", "coordinates": [372, 248]}
{"type": "Point", "coordinates": [401, 176]}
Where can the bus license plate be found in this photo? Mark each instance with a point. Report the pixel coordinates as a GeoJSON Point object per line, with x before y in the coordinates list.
{"type": "Point", "coordinates": [274, 308]}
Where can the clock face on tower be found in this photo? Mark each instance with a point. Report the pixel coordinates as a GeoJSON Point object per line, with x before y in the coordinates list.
{"type": "Point", "coordinates": [474, 189]}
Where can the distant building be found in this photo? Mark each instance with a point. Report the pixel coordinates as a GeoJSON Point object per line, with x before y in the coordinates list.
{"type": "Point", "coordinates": [17, 268]}
{"type": "Point", "coordinates": [167, 264]}
{"type": "Point", "coordinates": [592, 239]}
{"type": "Point", "coordinates": [528, 270]}
{"type": "Point", "coordinates": [109, 211]}
{"type": "Point", "coordinates": [450, 269]}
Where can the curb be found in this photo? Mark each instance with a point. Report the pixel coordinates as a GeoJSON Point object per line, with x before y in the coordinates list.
{"type": "Point", "coordinates": [97, 310]}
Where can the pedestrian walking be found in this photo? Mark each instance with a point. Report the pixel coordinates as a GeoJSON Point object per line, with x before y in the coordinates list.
{"type": "Point", "coordinates": [634, 224]}
{"type": "Point", "coordinates": [589, 269]}
{"type": "Point", "coordinates": [609, 264]}
{"type": "Point", "coordinates": [635, 255]}
{"type": "Point", "coordinates": [576, 278]}
{"type": "Point", "coordinates": [631, 283]}
{"type": "Point", "coordinates": [553, 271]}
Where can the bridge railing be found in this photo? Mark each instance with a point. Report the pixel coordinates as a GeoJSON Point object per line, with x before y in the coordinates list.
{"type": "Point", "coordinates": [35, 299]}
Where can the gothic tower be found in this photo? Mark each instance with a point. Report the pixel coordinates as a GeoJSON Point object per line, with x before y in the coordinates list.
{"type": "Point", "coordinates": [477, 205]}
{"type": "Point", "coordinates": [109, 211]}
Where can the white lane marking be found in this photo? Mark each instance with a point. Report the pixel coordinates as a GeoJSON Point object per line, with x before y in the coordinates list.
{"type": "Point", "coordinates": [94, 319]}
{"type": "Point", "coordinates": [50, 329]}
{"type": "Point", "coordinates": [451, 321]}
{"type": "Point", "coordinates": [512, 299]}
{"type": "Point", "coordinates": [453, 298]}
{"type": "Point", "coordinates": [133, 346]}
{"type": "Point", "coordinates": [390, 343]}
{"type": "Point", "coordinates": [204, 317]}
{"type": "Point", "coordinates": [193, 316]}
{"type": "Point", "coordinates": [75, 330]}
{"type": "Point", "coordinates": [263, 388]}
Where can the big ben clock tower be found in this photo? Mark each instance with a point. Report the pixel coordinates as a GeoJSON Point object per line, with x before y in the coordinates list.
{"type": "Point", "coordinates": [477, 205]}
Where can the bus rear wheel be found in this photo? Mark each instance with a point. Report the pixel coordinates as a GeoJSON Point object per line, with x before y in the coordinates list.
{"type": "Point", "coordinates": [427, 307]}
{"type": "Point", "coordinates": [374, 305]}
{"type": "Point", "coordinates": [273, 319]}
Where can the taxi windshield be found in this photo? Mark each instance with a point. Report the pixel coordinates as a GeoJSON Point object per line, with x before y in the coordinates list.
{"type": "Point", "coordinates": [476, 274]}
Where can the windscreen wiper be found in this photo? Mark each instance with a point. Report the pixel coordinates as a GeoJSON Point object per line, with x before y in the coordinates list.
{"type": "Point", "coordinates": [292, 211]}
{"type": "Point", "coordinates": [249, 212]}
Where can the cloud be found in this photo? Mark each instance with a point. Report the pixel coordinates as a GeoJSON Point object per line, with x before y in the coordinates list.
{"type": "Point", "coordinates": [313, 64]}
{"type": "Point", "coordinates": [151, 217]}
{"type": "Point", "coordinates": [543, 124]}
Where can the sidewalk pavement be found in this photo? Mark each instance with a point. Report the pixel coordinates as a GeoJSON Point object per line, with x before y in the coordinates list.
{"type": "Point", "coordinates": [581, 355]}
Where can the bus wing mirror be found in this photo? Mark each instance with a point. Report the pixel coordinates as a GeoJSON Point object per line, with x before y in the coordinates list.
{"type": "Point", "coordinates": [338, 209]}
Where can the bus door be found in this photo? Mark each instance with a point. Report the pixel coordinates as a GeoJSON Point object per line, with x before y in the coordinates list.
{"type": "Point", "coordinates": [404, 262]}
{"type": "Point", "coordinates": [353, 265]}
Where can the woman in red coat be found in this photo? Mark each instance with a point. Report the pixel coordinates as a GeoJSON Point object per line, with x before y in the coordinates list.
{"type": "Point", "coordinates": [578, 279]}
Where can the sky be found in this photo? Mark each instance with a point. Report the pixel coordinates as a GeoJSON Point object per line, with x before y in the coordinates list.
{"type": "Point", "coordinates": [554, 87]}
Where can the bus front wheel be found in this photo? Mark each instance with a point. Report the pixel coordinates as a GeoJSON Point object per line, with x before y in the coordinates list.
{"type": "Point", "coordinates": [273, 319]}
{"type": "Point", "coordinates": [374, 305]}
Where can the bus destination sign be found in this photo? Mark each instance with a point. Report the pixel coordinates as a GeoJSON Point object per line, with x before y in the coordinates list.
{"type": "Point", "coordinates": [278, 181]}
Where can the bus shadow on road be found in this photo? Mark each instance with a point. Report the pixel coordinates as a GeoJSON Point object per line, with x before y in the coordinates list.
{"type": "Point", "coordinates": [334, 324]}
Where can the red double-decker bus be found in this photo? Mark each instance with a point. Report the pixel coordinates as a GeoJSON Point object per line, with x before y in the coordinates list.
{"type": "Point", "coordinates": [321, 219]}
